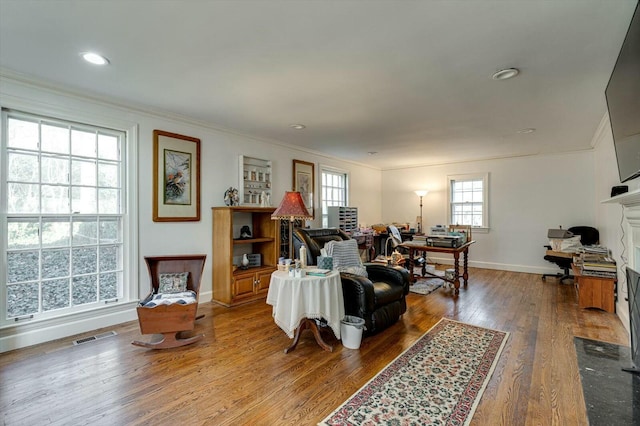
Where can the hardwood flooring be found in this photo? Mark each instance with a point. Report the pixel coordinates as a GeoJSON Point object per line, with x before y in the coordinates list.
{"type": "Point", "coordinates": [239, 375]}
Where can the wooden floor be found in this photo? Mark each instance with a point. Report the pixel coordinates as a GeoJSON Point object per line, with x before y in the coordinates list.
{"type": "Point", "coordinates": [239, 375]}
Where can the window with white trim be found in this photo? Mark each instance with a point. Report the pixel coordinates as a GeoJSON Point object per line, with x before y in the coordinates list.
{"type": "Point", "coordinates": [468, 200]}
{"type": "Point", "coordinates": [333, 191]}
{"type": "Point", "coordinates": [62, 198]}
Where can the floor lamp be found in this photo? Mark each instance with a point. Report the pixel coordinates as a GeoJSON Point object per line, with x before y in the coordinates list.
{"type": "Point", "coordinates": [421, 193]}
{"type": "Point", "coordinates": [291, 208]}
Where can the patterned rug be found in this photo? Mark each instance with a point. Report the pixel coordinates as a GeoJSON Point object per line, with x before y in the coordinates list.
{"type": "Point", "coordinates": [426, 286]}
{"type": "Point", "coordinates": [438, 380]}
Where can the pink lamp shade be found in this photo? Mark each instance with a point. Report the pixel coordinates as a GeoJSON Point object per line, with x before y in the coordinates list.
{"type": "Point", "coordinates": [291, 207]}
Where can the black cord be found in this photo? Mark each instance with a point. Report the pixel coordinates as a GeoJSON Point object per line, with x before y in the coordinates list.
{"type": "Point", "coordinates": [623, 272]}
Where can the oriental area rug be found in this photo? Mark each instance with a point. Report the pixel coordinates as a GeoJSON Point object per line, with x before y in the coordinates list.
{"type": "Point", "coordinates": [439, 380]}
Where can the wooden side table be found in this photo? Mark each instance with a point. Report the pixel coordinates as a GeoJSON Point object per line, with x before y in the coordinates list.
{"type": "Point", "coordinates": [298, 302]}
{"type": "Point", "coordinates": [595, 292]}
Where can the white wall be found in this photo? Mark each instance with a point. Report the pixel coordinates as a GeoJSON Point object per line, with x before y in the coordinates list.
{"type": "Point", "coordinates": [528, 195]}
{"type": "Point", "coordinates": [219, 170]}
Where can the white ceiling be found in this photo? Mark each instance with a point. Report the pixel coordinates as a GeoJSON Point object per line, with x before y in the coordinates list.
{"type": "Point", "coordinates": [410, 80]}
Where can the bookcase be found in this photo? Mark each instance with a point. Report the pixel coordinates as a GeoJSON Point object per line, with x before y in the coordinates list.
{"type": "Point", "coordinates": [233, 285]}
{"type": "Point", "coordinates": [345, 218]}
{"type": "Point", "coordinates": [255, 181]}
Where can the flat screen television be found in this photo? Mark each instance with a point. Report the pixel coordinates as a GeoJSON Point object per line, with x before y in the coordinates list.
{"type": "Point", "coordinates": [623, 101]}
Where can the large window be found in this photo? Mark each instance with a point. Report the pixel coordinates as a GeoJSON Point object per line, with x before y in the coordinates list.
{"type": "Point", "coordinates": [63, 192]}
{"type": "Point", "coordinates": [468, 195]}
{"type": "Point", "coordinates": [334, 191]}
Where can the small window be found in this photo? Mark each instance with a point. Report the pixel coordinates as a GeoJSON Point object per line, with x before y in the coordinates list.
{"type": "Point", "coordinates": [468, 200]}
{"type": "Point", "coordinates": [334, 191]}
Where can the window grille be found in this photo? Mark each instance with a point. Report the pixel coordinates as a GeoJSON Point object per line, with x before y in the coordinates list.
{"type": "Point", "coordinates": [63, 192]}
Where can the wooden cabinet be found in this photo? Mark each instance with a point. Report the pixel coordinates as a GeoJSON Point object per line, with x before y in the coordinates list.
{"type": "Point", "coordinates": [595, 292]}
{"type": "Point", "coordinates": [233, 285]}
{"type": "Point", "coordinates": [251, 284]}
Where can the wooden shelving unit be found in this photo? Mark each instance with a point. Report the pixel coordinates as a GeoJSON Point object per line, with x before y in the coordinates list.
{"type": "Point", "coordinates": [231, 284]}
{"type": "Point", "coordinates": [255, 181]}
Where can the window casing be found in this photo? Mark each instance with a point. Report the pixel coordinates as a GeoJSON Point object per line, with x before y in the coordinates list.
{"type": "Point", "coordinates": [334, 191]}
{"type": "Point", "coordinates": [468, 200]}
{"type": "Point", "coordinates": [63, 197]}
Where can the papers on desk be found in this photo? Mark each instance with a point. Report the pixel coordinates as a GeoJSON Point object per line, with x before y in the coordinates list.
{"type": "Point", "coordinates": [414, 243]}
{"type": "Point", "coordinates": [318, 272]}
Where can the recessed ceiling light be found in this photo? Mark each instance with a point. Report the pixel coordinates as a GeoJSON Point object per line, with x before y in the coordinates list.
{"type": "Point", "coordinates": [528, 130]}
{"type": "Point", "coordinates": [94, 58]}
{"type": "Point", "coordinates": [506, 74]}
{"type": "Point", "coordinates": [297, 126]}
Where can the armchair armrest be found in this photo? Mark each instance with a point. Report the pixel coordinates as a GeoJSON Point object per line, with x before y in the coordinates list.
{"type": "Point", "coordinates": [392, 274]}
{"type": "Point", "coordinates": [358, 294]}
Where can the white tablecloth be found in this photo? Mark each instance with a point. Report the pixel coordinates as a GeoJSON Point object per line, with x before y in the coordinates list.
{"type": "Point", "coordinates": [310, 297]}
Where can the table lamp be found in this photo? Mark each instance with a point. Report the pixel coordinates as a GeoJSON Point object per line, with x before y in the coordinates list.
{"type": "Point", "coordinates": [420, 193]}
{"type": "Point", "coordinates": [291, 208]}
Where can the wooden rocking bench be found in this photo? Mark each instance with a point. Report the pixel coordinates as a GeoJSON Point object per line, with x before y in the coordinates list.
{"type": "Point", "coordinates": [170, 320]}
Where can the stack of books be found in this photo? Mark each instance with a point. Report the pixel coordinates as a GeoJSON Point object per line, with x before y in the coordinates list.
{"type": "Point", "coordinates": [597, 264]}
{"type": "Point", "coordinates": [594, 249]}
{"type": "Point", "coordinates": [419, 240]}
{"type": "Point", "coordinates": [318, 272]}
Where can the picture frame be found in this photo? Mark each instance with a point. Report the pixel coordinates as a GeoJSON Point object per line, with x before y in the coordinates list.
{"type": "Point", "coordinates": [176, 177]}
{"type": "Point", "coordinates": [304, 182]}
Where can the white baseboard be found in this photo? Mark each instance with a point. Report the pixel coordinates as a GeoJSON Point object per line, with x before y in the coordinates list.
{"type": "Point", "coordinates": [622, 310]}
{"type": "Point", "coordinates": [205, 296]}
{"type": "Point", "coordinates": [498, 266]}
{"type": "Point", "coordinates": [28, 334]}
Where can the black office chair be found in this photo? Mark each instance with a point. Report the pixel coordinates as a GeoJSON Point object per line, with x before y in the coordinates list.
{"type": "Point", "coordinates": [588, 236]}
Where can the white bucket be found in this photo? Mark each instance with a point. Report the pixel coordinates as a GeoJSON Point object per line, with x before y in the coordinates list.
{"type": "Point", "coordinates": [450, 274]}
{"type": "Point", "coordinates": [351, 331]}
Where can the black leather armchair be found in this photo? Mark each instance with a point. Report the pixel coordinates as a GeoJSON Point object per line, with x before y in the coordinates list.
{"type": "Point", "coordinates": [588, 236]}
{"type": "Point", "coordinates": [379, 299]}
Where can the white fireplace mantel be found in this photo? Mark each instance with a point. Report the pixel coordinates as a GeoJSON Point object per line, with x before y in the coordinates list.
{"type": "Point", "coordinates": [627, 199]}
{"type": "Point", "coordinates": [631, 202]}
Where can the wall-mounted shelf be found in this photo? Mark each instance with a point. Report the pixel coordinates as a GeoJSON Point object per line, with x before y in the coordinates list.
{"type": "Point", "coordinates": [255, 181]}
{"type": "Point", "coordinates": [627, 199]}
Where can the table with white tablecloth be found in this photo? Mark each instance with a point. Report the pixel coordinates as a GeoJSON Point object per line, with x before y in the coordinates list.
{"type": "Point", "coordinates": [298, 302]}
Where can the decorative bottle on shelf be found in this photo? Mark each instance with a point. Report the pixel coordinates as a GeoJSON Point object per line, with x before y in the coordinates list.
{"type": "Point", "coordinates": [303, 256]}
{"type": "Point", "coordinates": [245, 261]}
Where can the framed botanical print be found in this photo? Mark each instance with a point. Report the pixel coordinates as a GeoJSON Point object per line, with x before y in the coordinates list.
{"type": "Point", "coordinates": [176, 177]}
{"type": "Point", "coordinates": [304, 182]}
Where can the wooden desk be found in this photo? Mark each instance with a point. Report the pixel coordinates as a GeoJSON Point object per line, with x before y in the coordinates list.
{"type": "Point", "coordinates": [464, 249]}
{"type": "Point", "coordinates": [594, 292]}
{"type": "Point", "coordinates": [565, 254]}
